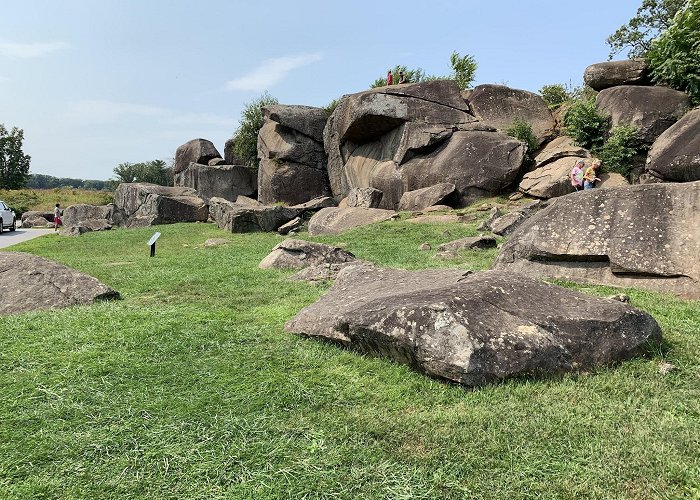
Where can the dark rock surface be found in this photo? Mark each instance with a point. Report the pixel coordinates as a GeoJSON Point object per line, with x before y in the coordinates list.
{"type": "Point", "coordinates": [366, 197]}
{"type": "Point", "coordinates": [474, 328]}
{"type": "Point", "coordinates": [675, 155]}
{"type": "Point", "coordinates": [469, 243]}
{"type": "Point", "coordinates": [31, 283]}
{"type": "Point", "coordinates": [142, 204]}
{"type": "Point", "coordinates": [643, 236]}
{"type": "Point", "coordinates": [337, 220]}
{"type": "Point", "coordinates": [194, 151]}
{"type": "Point", "coordinates": [222, 181]}
{"type": "Point", "coordinates": [613, 73]}
{"type": "Point", "coordinates": [249, 218]}
{"type": "Point", "coordinates": [650, 110]}
{"type": "Point", "coordinates": [298, 254]}
{"type": "Point", "coordinates": [76, 215]}
{"type": "Point", "coordinates": [420, 199]}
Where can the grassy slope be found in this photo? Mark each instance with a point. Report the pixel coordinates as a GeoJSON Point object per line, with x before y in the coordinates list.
{"type": "Point", "coordinates": [189, 388]}
{"type": "Point", "coordinates": [22, 200]}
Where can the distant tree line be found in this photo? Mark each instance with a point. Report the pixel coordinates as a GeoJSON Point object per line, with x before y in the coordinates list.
{"type": "Point", "coordinates": [42, 181]}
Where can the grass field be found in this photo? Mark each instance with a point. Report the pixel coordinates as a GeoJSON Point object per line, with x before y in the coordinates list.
{"type": "Point", "coordinates": [188, 387]}
{"type": "Point", "coordinates": [21, 200]}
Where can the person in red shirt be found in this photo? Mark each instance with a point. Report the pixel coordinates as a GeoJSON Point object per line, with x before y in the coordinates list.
{"type": "Point", "coordinates": [389, 78]}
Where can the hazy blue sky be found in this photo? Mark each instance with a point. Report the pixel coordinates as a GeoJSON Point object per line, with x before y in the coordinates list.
{"type": "Point", "coordinates": [98, 83]}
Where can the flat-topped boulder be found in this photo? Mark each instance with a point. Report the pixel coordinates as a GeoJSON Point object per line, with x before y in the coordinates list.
{"type": "Point", "coordinates": [468, 243]}
{"type": "Point", "coordinates": [335, 220]}
{"type": "Point", "coordinates": [36, 221]}
{"type": "Point", "coordinates": [420, 199]}
{"type": "Point", "coordinates": [195, 151]}
{"type": "Point", "coordinates": [80, 213]}
{"type": "Point", "coordinates": [299, 254]}
{"type": "Point", "coordinates": [45, 214]}
{"type": "Point", "coordinates": [143, 204]}
{"type": "Point", "coordinates": [221, 181]}
{"type": "Point", "coordinates": [292, 158]}
{"type": "Point", "coordinates": [474, 328]}
{"type": "Point", "coordinates": [365, 197]}
{"type": "Point", "coordinates": [560, 147]}
{"type": "Point", "coordinates": [499, 106]}
{"type": "Point", "coordinates": [608, 74]}
{"type": "Point", "coordinates": [550, 180]}
{"type": "Point", "coordinates": [249, 218]}
{"type": "Point", "coordinates": [650, 110]}
{"type": "Point", "coordinates": [32, 283]}
{"type": "Point", "coordinates": [675, 155]}
{"type": "Point", "coordinates": [643, 236]}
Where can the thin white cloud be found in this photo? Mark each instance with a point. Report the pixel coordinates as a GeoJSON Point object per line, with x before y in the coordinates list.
{"type": "Point", "coordinates": [271, 71]}
{"type": "Point", "coordinates": [4, 79]}
{"type": "Point", "coordinates": [27, 50]}
{"type": "Point", "coordinates": [90, 112]}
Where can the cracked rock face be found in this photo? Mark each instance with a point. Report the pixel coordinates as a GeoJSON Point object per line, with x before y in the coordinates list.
{"type": "Point", "coordinates": [31, 283]}
{"type": "Point", "coordinates": [223, 181]}
{"type": "Point", "coordinates": [474, 328]}
{"type": "Point", "coordinates": [644, 236]}
{"type": "Point", "coordinates": [335, 220]}
{"type": "Point", "coordinates": [143, 204]}
{"type": "Point", "coordinates": [299, 254]}
{"type": "Point", "coordinates": [408, 137]}
{"type": "Point", "coordinates": [675, 155]}
{"type": "Point", "coordinates": [292, 159]}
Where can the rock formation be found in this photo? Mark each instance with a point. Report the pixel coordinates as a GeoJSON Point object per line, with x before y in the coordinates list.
{"type": "Point", "coordinates": [474, 328]}
{"type": "Point", "coordinates": [222, 181]}
{"type": "Point", "coordinates": [143, 204]}
{"type": "Point", "coordinates": [675, 155]}
{"type": "Point", "coordinates": [298, 254]}
{"type": "Point", "coordinates": [613, 73]}
{"type": "Point", "coordinates": [337, 220]}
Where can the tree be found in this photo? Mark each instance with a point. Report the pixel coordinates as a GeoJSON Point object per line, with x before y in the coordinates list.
{"type": "Point", "coordinates": [412, 76]}
{"type": "Point", "coordinates": [463, 69]}
{"type": "Point", "coordinates": [154, 171]}
{"type": "Point", "coordinates": [653, 17]}
{"type": "Point", "coordinates": [14, 164]}
{"type": "Point", "coordinates": [245, 138]}
{"type": "Point", "coordinates": [674, 57]}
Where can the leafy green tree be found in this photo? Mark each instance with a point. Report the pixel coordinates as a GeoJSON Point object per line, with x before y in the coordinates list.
{"type": "Point", "coordinates": [674, 57]}
{"type": "Point", "coordinates": [154, 171]}
{"type": "Point", "coordinates": [653, 17]}
{"type": "Point", "coordinates": [522, 130]}
{"type": "Point", "coordinates": [618, 152]}
{"type": "Point", "coordinates": [555, 95]}
{"type": "Point", "coordinates": [14, 164]}
{"type": "Point", "coordinates": [463, 69]}
{"type": "Point", "coordinates": [245, 138]}
{"type": "Point", "coordinates": [412, 76]}
{"type": "Point", "coordinates": [584, 124]}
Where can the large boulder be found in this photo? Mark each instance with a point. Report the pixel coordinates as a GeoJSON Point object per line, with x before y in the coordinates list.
{"type": "Point", "coordinates": [551, 180]}
{"type": "Point", "coordinates": [143, 204]}
{"type": "Point", "coordinates": [613, 73]}
{"type": "Point", "coordinates": [35, 221]}
{"type": "Point", "coordinates": [30, 283]}
{"type": "Point", "coordinates": [650, 110]}
{"type": "Point", "coordinates": [336, 220]}
{"type": "Point", "coordinates": [292, 159]}
{"type": "Point", "coordinates": [366, 197]}
{"type": "Point", "coordinates": [230, 156]}
{"type": "Point", "coordinates": [222, 181]}
{"type": "Point", "coordinates": [426, 197]}
{"type": "Point", "coordinates": [675, 155]}
{"type": "Point", "coordinates": [45, 214]}
{"type": "Point", "coordinates": [249, 218]}
{"type": "Point", "coordinates": [639, 236]}
{"type": "Point", "coordinates": [500, 106]}
{"type": "Point", "coordinates": [194, 151]}
{"type": "Point", "coordinates": [299, 254]}
{"type": "Point", "coordinates": [474, 328]}
{"type": "Point", "coordinates": [407, 137]}
{"type": "Point", "coordinates": [75, 215]}
{"type": "Point", "coordinates": [560, 147]}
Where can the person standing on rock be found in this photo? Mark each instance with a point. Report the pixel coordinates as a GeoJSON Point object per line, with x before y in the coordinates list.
{"type": "Point", "coordinates": [590, 175]}
{"type": "Point", "coordinates": [402, 77]}
{"type": "Point", "coordinates": [389, 78]}
{"type": "Point", "coordinates": [576, 175]}
{"type": "Point", "coordinates": [57, 217]}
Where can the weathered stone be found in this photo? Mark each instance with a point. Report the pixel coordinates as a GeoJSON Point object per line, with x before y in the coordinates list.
{"type": "Point", "coordinates": [76, 215]}
{"type": "Point", "coordinates": [613, 73]}
{"type": "Point", "coordinates": [47, 215]}
{"type": "Point", "coordinates": [469, 243]}
{"type": "Point", "coordinates": [194, 151]}
{"type": "Point", "coordinates": [35, 221]}
{"type": "Point", "coordinates": [425, 247]}
{"type": "Point", "coordinates": [561, 147]}
{"type": "Point", "coordinates": [474, 328]}
{"type": "Point", "coordinates": [551, 180]}
{"type": "Point", "coordinates": [642, 236]}
{"type": "Point", "coordinates": [650, 110]}
{"type": "Point", "coordinates": [216, 162]}
{"type": "Point", "coordinates": [230, 156]}
{"type": "Point", "coordinates": [297, 254]}
{"type": "Point", "coordinates": [612, 180]}
{"type": "Point", "coordinates": [337, 220]}
{"type": "Point", "coordinates": [215, 242]}
{"type": "Point", "coordinates": [142, 204]}
{"type": "Point", "coordinates": [308, 120]}
{"type": "Point", "coordinates": [420, 199]}
{"type": "Point", "coordinates": [292, 225]}
{"type": "Point", "coordinates": [243, 218]}
{"type": "Point", "coordinates": [224, 181]}
{"type": "Point", "coordinates": [30, 283]}
{"type": "Point", "coordinates": [316, 204]}
{"type": "Point", "coordinates": [675, 155]}
{"type": "Point", "coordinates": [506, 224]}
{"type": "Point", "coordinates": [366, 197]}
{"type": "Point", "coordinates": [86, 226]}
{"type": "Point", "coordinates": [500, 106]}
{"type": "Point", "coordinates": [321, 272]}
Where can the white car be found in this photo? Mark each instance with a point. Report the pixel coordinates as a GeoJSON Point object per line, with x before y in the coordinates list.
{"type": "Point", "coordinates": [8, 219]}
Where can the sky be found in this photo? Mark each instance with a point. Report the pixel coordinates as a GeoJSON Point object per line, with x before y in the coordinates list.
{"type": "Point", "coordinates": [97, 83]}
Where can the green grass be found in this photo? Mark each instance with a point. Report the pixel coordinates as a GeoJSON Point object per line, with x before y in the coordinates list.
{"type": "Point", "coordinates": [188, 387]}
{"type": "Point", "coordinates": [21, 200]}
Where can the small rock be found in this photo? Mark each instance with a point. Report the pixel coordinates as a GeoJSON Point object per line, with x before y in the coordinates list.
{"type": "Point", "coordinates": [622, 297]}
{"type": "Point", "coordinates": [446, 234]}
{"type": "Point", "coordinates": [425, 247]}
{"type": "Point", "coordinates": [212, 242]}
{"type": "Point", "coordinates": [665, 368]}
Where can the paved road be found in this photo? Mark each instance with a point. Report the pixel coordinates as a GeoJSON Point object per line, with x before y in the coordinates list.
{"type": "Point", "coordinates": [9, 238]}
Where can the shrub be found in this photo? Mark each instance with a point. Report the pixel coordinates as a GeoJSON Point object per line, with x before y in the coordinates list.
{"type": "Point", "coordinates": [674, 57]}
{"type": "Point", "coordinates": [585, 125]}
{"type": "Point", "coordinates": [619, 150]}
{"type": "Point", "coordinates": [463, 69]}
{"type": "Point", "coordinates": [246, 135]}
{"type": "Point", "coordinates": [330, 107]}
{"type": "Point", "coordinates": [522, 131]}
{"type": "Point", "coordinates": [554, 95]}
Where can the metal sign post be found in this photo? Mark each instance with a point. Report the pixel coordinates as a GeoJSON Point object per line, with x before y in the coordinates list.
{"type": "Point", "coordinates": [152, 243]}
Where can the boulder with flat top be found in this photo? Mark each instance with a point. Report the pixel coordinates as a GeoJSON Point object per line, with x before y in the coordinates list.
{"type": "Point", "coordinates": [143, 204]}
